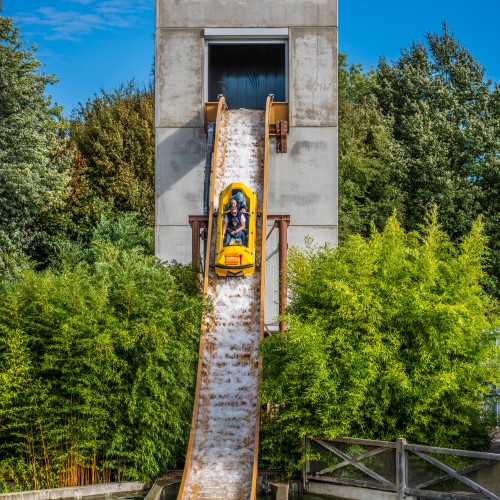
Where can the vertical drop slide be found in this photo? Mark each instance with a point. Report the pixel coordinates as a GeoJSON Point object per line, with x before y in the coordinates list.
{"type": "Point", "coordinates": [222, 455]}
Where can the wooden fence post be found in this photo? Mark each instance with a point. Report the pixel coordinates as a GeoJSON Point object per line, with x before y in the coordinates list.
{"type": "Point", "coordinates": [401, 473]}
{"type": "Point", "coordinates": [305, 468]}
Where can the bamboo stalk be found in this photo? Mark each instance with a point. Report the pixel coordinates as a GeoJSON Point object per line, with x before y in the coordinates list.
{"type": "Point", "coordinates": [34, 477]}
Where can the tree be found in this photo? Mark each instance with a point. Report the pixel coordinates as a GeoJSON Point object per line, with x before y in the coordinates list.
{"type": "Point", "coordinates": [114, 167]}
{"type": "Point", "coordinates": [98, 357]}
{"type": "Point", "coordinates": [33, 154]}
{"type": "Point", "coordinates": [366, 195]}
{"type": "Point", "coordinates": [391, 335]}
{"type": "Point", "coordinates": [444, 118]}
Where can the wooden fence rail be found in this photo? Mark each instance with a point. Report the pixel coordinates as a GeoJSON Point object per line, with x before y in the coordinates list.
{"type": "Point", "coordinates": [406, 470]}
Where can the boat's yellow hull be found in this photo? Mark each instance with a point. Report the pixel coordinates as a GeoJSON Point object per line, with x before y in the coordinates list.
{"type": "Point", "coordinates": [236, 259]}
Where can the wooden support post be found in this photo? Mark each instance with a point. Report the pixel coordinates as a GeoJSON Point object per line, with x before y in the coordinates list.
{"type": "Point", "coordinates": [401, 474]}
{"type": "Point", "coordinates": [305, 468]}
{"type": "Point", "coordinates": [198, 225]}
{"type": "Point", "coordinates": [283, 260]}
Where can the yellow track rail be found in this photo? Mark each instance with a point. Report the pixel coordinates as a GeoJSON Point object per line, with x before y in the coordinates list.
{"type": "Point", "coordinates": [253, 494]}
{"type": "Point", "coordinates": [222, 106]}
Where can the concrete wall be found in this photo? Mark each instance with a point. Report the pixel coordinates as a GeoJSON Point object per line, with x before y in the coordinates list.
{"type": "Point", "coordinates": [313, 77]}
{"type": "Point", "coordinates": [302, 184]}
{"type": "Point", "coordinates": [303, 181]}
{"type": "Point", "coordinates": [132, 488]}
{"type": "Point", "coordinates": [179, 71]}
{"type": "Point", "coordinates": [349, 492]}
{"type": "Point", "coordinates": [245, 13]}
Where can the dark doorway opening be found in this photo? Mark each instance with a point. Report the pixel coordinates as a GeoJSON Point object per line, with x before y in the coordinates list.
{"type": "Point", "coordinates": [246, 74]}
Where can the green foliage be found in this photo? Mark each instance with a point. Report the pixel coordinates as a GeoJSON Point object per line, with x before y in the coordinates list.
{"type": "Point", "coordinates": [444, 118]}
{"type": "Point", "coordinates": [98, 358]}
{"type": "Point", "coordinates": [366, 194]}
{"type": "Point", "coordinates": [391, 335]}
{"type": "Point", "coordinates": [114, 167]}
{"type": "Point", "coordinates": [33, 155]}
{"type": "Point", "coordinates": [420, 131]}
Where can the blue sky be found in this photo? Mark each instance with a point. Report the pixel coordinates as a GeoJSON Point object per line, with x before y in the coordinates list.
{"type": "Point", "coordinates": [88, 44]}
{"type": "Point", "coordinates": [94, 44]}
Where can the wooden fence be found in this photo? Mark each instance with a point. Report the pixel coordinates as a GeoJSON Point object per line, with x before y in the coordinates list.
{"type": "Point", "coordinates": [407, 470]}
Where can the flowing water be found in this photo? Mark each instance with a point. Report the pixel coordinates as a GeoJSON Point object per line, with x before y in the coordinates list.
{"type": "Point", "coordinates": [292, 495]}
{"type": "Point", "coordinates": [222, 457]}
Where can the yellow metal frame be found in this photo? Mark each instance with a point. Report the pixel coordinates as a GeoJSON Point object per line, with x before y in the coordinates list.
{"type": "Point", "coordinates": [210, 112]}
{"type": "Point", "coordinates": [275, 112]}
{"type": "Point", "coordinates": [263, 240]}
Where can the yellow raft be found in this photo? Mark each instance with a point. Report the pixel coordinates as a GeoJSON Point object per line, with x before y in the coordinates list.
{"type": "Point", "coordinates": [236, 259]}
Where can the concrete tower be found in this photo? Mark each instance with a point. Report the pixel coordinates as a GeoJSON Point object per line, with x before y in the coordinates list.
{"type": "Point", "coordinates": [245, 50]}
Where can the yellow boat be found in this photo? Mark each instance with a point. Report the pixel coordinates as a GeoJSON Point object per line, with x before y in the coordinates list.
{"type": "Point", "coordinates": [236, 258]}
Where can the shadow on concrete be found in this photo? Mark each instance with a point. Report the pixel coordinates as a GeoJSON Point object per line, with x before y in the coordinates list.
{"type": "Point", "coordinates": [178, 151]}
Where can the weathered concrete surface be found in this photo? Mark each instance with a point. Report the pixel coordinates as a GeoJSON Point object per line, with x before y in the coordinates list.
{"type": "Point", "coordinates": [302, 184]}
{"type": "Point", "coordinates": [155, 493]}
{"type": "Point", "coordinates": [313, 77]}
{"type": "Point", "coordinates": [279, 491]}
{"type": "Point", "coordinates": [349, 492]}
{"type": "Point", "coordinates": [162, 488]}
{"type": "Point", "coordinates": [77, 492]}
{"type": "Point", "coordinates": [180, 170]}
{"type": "Point", "coordinates": [179, 78]}
{"type": "Point", "coordinates": [173, 243]}
{"type": "Point", "coordinates": [245, 13]}
{"type": "Point", "coordinates": [303, 181]}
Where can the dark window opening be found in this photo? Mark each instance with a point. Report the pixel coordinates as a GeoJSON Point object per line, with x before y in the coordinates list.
{"type": "Point", "coordinates": [246, 74]}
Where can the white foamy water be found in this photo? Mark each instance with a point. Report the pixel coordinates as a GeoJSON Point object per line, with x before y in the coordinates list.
{"type": "Point", "coordinates": [222, 456]}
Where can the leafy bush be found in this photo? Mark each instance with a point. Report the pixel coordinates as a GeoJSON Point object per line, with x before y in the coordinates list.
{"type": "Point", "coordinates": [97, 364]}
{"type": "Point", "coordinates": [390, 336]}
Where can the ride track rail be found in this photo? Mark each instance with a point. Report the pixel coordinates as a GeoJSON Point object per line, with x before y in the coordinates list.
{"type": "Point", "coordinates": [222, 455]}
